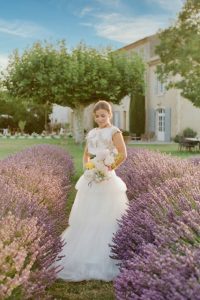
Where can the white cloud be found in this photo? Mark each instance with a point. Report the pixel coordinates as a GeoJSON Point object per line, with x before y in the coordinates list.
{"type": "Point", "coordinates": [126, 28]}
{"type": "Point", "coordinates": [119, 28]}
{"type": "Point", "coordinates": [169, 5]}
{"type": "Point", "coordinates": [86, 10]}
{"type": "Point", "coordinates": [89, 10]}
{"type": "Point", "coordinates": [20, 29]}
{"type": "Point", "coordinates": [3, 61]}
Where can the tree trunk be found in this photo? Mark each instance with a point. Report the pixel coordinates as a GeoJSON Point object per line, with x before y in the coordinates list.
{"type": "Point", "coordinates": [46, 115]}
{"type": "Point", "coordinates": [79, 124]}
{"type": "Point", "coordinates": [137, 114]}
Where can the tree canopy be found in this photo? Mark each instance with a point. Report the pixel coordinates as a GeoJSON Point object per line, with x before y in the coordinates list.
{"type": "Point", "coordinates": [31, 113]}
{"type": "Point", "coordinates": [179, 53]}
{"type": "Point", "coordinates": [48, 74]}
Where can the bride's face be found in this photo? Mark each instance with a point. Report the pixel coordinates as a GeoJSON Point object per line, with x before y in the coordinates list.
{"type": "Point", "coordinates": [102, 117]}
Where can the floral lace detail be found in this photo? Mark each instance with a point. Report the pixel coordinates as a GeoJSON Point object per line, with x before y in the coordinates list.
{"type": "Point", "coordinates": [101, 139]}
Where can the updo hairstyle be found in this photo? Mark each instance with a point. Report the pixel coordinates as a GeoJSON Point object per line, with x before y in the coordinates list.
{"type": "Point", "coordinates": [102, 104]}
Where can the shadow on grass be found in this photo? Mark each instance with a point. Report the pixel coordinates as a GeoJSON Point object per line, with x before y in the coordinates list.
{"type": "Point", "coordinates": [84, 290]}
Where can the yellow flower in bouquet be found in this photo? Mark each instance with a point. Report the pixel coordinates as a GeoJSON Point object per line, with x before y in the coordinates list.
{"type": "Point", "coordinates": [89, 165]}
{"type": "Point", "coordinates": [118, 158]}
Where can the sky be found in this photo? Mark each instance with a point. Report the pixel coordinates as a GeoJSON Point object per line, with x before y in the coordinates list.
{"type": "Point", "coordinates": [98, 23]}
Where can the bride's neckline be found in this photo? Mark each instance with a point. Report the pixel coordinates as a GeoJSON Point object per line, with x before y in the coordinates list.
{"type": "Point", "coordinates": [104, 127]}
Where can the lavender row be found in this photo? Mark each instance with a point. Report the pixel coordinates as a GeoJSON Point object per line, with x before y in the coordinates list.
{"type": "Point", "coordinates": [144, 169]}
{"type": "Point", "coordinates": [44, 171]}
{"type": "Point", "coordinates": [30, 219]}
{"type": "Point", "coordinates": [159, 236]}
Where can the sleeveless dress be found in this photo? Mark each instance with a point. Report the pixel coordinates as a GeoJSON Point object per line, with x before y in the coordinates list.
{"type": "Point", "coordinates": [93, 220]}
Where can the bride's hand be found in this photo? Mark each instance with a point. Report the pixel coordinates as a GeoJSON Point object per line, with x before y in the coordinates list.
{"type": "Point", "coordinates": [110, 168]}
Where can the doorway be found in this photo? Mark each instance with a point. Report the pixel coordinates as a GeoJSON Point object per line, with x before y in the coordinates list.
{"type": "Point", "coordinates": [160, 124]}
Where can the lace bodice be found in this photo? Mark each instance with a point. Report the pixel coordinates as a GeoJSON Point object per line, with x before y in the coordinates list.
{"type": "Point", "coordinates": [101, 139]}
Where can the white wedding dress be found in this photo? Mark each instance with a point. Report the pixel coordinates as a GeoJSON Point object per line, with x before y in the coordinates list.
{"type": "Point", "coordinates": [93, 220]}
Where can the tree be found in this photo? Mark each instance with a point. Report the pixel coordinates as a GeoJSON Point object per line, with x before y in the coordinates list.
{"type": "Point", "coordinates": [22, 125]}
{"type": "Point", "coordinates": [94, 75]}
{"type": "Point", "coordinates": [34, 75]}
{"type": "Point", "coordinates": [137, 114]}
{"type": "Point", "coordinates": [179, 53]}
{"type": "Point", "coordinates": [6, 111]}
{"type": "Point", "coordinates": [17, 110]}
{"type": "Point", "coordinates": [48, 74]}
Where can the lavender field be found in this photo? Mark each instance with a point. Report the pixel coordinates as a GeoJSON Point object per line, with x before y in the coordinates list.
{"type": "Point", "coordinates": [159, 237]}
{"type": "Point", "coordinates": [34, 186]}
{"type": "Point", "coordinates": [157, 243]}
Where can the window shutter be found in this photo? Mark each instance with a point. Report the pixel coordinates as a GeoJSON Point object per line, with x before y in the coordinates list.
{"type": "Point", "coordinates": [152, 120]}
{"type": "Point", "coordinates": [167, 124]}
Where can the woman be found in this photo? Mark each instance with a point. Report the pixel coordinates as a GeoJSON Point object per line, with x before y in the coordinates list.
{"type": "Point", "coordinates": [99, 203]}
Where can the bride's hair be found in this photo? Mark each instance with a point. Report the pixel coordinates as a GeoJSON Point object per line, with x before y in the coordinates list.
{"type": "Point", "coordinates": [102, 104]}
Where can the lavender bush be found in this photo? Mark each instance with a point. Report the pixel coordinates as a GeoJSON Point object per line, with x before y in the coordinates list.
{"type": "Point", "coordinates": [29, 241]}
{"type": "Point", "coordinates": [166, 215]}
{"type": "Point", "coordinates": [195, 160]}
{"type": "Point", "coordinates": [144, 169]}
{"type": "Point", "coordinates": [156, 275]}
{"type": "Point", "coordinates": [159, 237]}
{"type": "Point", "coordinates": [44, 171]}
{"type": "Point", "coordinates": [24, 226]}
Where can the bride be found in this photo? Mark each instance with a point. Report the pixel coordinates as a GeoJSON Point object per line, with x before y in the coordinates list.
{"type": "Point", "coordinates": [97, 206]}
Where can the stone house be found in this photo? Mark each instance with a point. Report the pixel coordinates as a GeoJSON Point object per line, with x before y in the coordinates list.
{"type": "Point", "coordinates": [167, 112]}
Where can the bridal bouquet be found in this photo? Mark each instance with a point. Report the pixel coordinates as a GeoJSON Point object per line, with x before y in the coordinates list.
{"type": "Point", "coordinates": [98, 168]}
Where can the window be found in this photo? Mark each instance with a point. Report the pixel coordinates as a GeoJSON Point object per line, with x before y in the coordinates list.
{"type": "Point", "coordinates": [161, 120]}
{"type": "Point", "coordinates": [141, 51]}
{"type": "Point", "coordinates": [116, 118]}
{"type": "Point", "coordinates": [159, 87]}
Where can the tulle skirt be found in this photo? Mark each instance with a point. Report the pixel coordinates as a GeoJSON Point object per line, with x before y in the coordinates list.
{"type": "Point", "coordinates": [92, 223]}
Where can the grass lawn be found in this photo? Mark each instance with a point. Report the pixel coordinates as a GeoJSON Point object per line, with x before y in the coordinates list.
{"type": "Point", "coordinates": [89, 290]}
{"type": "Point", "coordinates": [171, 149]}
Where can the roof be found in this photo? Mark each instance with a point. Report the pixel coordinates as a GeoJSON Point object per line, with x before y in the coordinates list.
{"type": "Point", "coordinates": [138, 42]}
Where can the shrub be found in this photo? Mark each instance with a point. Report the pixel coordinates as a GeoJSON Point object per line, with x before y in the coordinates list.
{"type": "Point", "coordinates": [31, 216]}
{"type": "Point", "coordinates": [44, 171]}
{"type": "Point", "coordinates": [160, 276]}
{"type": "Point", "coordinates": [144, 169]}
{"type": "Point", "coordinates": [155, 241]}
{"type": "Point", "coordinates": [29, 243]}
{"type": "Point", "coordinates": [177, 138]}
{"type": "Point", "coordinates": [195, 160]}
{"type": "Point", "coordinates": [162, 216]}
{"type": "Point", "coordinates": [188, 132]}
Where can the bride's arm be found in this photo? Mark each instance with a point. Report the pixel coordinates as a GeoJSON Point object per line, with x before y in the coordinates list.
{"type": "Point", "coordinates": [118, 142]}
{"type": "Point", "coordinates": [86, 156]}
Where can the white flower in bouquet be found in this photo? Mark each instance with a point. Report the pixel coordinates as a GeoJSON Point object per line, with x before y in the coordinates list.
{"type": "Point", "coordinates": [109, 160]}
{"type": "Point", "coordinates": [101, 167]}
{"type": "Point", "coordinates": [89, 174]}
{"type": "Point", "coordinates": [98, 169]}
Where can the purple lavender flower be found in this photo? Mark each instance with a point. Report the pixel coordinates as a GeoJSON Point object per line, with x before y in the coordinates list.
{"type": "Point", "coordinates": [158, 240]}
{"type": "Point", "coordinates": [30, 219]}
{"type": "Point", "coordinates": [144, 169]}
{"type": "Point", "coordinates": [163, 275]}
{"type": "Point", "coordinates": [45, 172]}
{"type": "Point", "coordinates": [166, 214]}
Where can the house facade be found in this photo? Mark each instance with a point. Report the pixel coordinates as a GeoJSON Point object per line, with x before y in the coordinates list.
{"type": "Point", "coordinates": [65, 115]}
{"type": "Point", "coordinates": [167, 112]}
{"type": "Point", "coordinates": [60, 114]}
